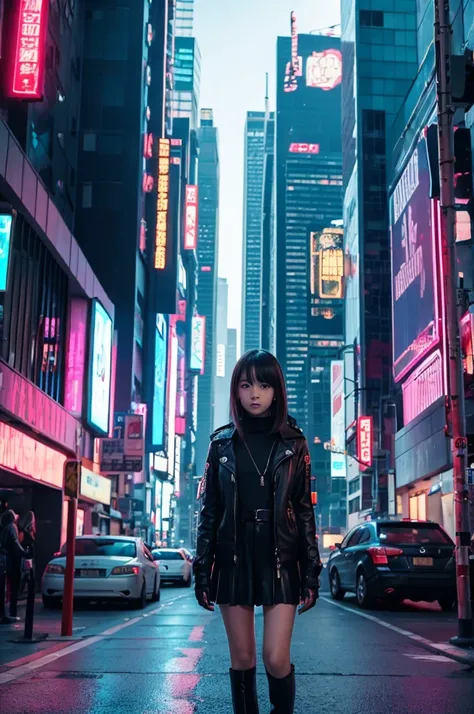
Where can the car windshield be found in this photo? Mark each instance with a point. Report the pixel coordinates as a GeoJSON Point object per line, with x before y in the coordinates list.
{"type": "Point", "coordinates": [168, 554]}
{"type": "Point", "coordinates": [412, 534]}
{"type": "Point", "coordinates": [105, 547]}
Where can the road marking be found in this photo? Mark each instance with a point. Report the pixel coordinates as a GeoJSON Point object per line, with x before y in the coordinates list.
{"type": "Point", "coordinates": [456, 653]}
{"type": "Point", "coordinates": [197, 633]}
{"type": "Point", "coordinates": [21, 670]}
{"type": "Point", "coordinates": [428, 657]}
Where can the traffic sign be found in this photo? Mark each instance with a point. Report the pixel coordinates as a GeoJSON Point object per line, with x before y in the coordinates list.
{"type": "Point", "coordinates": [72, 473]}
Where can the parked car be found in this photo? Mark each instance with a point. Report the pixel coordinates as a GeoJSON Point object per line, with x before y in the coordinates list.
{"type": "Point", "coordinates": [394, 559]}
{"type": "Point", "coordinates": [105, 568]}
{"type": "Point", "coordinates": [175, 565]}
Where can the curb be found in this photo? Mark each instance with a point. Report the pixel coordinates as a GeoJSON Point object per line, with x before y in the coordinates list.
{"type": "Point", "coordinates": [455, 653]}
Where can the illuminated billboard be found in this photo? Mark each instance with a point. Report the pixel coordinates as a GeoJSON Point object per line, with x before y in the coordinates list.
{"type": "Point", "coordinates": [338, 427]}
{"type": "Point", "coordinates": [191, 218]}
{"type": "Point", "coordinates": [6, 223]}
{"type": "Point", "coordinates": [326, 282]}
{"type": "Point", "coordinates": [415, 281]}
{"type": "Point", "coordinates": [26, 26]}
{"type": "Point", "coordinates": [76, 356]}
{"type": "Point", "coordinates": [423, 387]}
{"type": "Point", "coordinates": [159, 389]}
{"type": "Point", "coordinates": [162, 203]}
{"type": "Point", "coordinates": [198, 344]}
{"type": "Point", "coordinates": [100, 368]}
{"type": "Point", "coordinates": [296, 148]}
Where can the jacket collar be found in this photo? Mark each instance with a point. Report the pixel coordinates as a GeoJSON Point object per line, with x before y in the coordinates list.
{"type": "Point", "coordinates": [288, 432]}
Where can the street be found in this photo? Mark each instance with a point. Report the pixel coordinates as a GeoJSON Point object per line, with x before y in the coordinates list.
{"type": "Point", "coordinates": [172, 658]}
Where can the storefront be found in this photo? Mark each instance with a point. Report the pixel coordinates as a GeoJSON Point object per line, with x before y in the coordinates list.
{"type": "Point", "coordinates": [95, 495]}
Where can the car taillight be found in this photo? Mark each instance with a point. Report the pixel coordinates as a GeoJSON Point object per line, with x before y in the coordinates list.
{"type": "Point", "coordinates": [54, 569]}
{"type": "Point", "coordinates": [380, 555]}
{"type": "Point", "coordinates": [126, 570]}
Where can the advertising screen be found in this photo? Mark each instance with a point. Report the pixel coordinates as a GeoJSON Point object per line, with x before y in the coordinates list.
{"type": "Point", "coordinates": [6, 221]}
{"type": "Point", "coordinates": [414, 265]}
{"type": "Point", "coordinates": [191, 219]}
{"type": "Point", "coordinates": [76, 356]}
{"type": "Point", "coordinates": [100, 366]}
{"type": "Point", "coordinates": [326, 283]}
{"type": "Point", "coordinates": [159, 390]}
{"type": "Point", "coordinates": [198, 343]}
{"type": "Point", "coordinates": [338, 429]}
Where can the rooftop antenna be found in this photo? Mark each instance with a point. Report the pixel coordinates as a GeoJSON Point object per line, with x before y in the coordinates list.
{"type": "Point", "coordinates": [267, 100]}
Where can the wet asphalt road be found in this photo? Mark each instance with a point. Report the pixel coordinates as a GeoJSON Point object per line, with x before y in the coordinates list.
{"type": "Point", "coordinates": [172, 658]}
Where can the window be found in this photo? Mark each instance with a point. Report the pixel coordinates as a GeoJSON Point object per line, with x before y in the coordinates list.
{"type": "Point", "coordinates": [411, 534]}
{"type": "Point", "coordinates": [365, 536]}
{"type": "Point", "coordinates": [371, 18]}
{"type": "Point", "coordinates": [105, 547]}
{"type": "Point", "coordinates": [89, 142]}
{"type": "Point", "coordinates": [168, 555]}
{"type": "Point", "coordinates": [87, 195]}
{"type": "Point", "coordinates": [354, 539]}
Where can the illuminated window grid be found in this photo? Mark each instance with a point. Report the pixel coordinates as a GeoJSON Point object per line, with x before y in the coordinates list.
{"type": "Point", "coordinates": [162, 203]}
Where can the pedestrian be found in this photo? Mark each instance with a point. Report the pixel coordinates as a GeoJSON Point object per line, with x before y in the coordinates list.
{"type": "Point", "coordinates": [11, 547]}
{"type": "Point", "coordinates": [256, 542]}
{"type": "Point", "coordinates": [27, 537]}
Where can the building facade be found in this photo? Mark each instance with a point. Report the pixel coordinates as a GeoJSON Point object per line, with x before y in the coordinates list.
{"type": "Point", "coordinates": [268, 267]}
{"type": "Point", "coordinates": [187, 80]}
{"type": "Point", "coordinates": [208, 261]}
{"type": "Point", "coordinates": [221, 410]}
{"type": "Point", "coordinates": [184, 25]}
{"type": "Point", "coordinates": [309, 304]}
{"type": "Point", "coordinates": [379, 58]}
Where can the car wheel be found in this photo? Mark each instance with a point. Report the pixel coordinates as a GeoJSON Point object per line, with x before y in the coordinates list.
{"type": "Point", "coordinates": [156, 591]}
{"type": "Point", "coordinates": [364, 599]}
{"type": "Point", "coordinates": [337, 593]}
{"type": "Point", "coordinates": [141, 602]}
{"type": "Point", "coordinates": [51, 603]}
{"type": "Point", "coordinates": [446, 603]}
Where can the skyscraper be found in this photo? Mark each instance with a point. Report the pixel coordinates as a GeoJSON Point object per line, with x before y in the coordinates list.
{"type": "Point", "coordinates": [252, 238]}
{"type": "Point", "coordinates": [268, 295]}
{"type": "Point", "coordinates": [187, 80]}
{"type": "Point", "coordinates": [221, 396]}
{"type": "Point", "coordinates": [207, 248]}
{"type": "Point", "coordinates": [184, 18]}
{"type": "Point", "coordinates": [308, 200]}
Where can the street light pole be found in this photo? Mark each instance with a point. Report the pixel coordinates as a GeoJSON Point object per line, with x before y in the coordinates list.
{"type": "Point", "coordinates": [456, 414]}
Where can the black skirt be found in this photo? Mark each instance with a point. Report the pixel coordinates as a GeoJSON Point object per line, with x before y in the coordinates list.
{"type": "Point", "coordinates": [253, 580]}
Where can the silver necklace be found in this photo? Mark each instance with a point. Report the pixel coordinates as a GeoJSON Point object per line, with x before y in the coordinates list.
{"type": "Point", "coordinates": [262, 475]}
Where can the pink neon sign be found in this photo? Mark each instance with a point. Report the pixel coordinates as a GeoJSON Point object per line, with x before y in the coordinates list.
{"type": "Point", "coordinates": [304, 148]}
{"type": "Point", "coordinates": [191, 218]}
{"type": "Point", "coordinates": [423, 387]}
{"type": "Point", "coordinates": [27, 29]}
{"type": "Point", "coordinates": [76, 356]}
{"type": "Point", "coordinates": [24, 455]}
{"type": "Point", "coordinates": [365, 441]}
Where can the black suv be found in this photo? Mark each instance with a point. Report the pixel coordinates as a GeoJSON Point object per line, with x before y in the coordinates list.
{"type": "Point", "coordinates": [395, 559]}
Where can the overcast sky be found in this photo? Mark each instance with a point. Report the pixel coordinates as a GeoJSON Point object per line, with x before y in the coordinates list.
{"type": "Point", "coordinates": [238, 46]}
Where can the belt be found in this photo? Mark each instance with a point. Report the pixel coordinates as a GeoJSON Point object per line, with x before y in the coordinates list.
{"type": "Point", "coordinates": [260, 515]}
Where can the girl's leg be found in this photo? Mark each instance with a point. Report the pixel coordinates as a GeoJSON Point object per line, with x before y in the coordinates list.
{"type": "Point", "coordinates": [278, 628]}
{"type": "Point", "coordinates": [239, 623]}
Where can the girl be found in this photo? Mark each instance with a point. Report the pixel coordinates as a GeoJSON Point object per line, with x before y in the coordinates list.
{"type": "Point", "coordinates": [256, 541]}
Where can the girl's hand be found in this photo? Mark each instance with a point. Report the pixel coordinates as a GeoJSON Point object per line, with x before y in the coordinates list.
{"type": "Point", "coordinates": [203, 598]}
{"type": "Point", "coordinates": [308, 600]}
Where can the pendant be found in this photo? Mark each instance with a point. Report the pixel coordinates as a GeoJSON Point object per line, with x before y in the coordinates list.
{"type": "Point", "coordinates": [262, 480]}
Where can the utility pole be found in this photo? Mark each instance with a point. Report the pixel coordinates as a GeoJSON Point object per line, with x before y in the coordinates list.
{"type": "Point", "coordinates": [456, 413]}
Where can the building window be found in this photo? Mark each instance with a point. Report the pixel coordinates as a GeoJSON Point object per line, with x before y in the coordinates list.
{"type": "Point", "coordinates": [87, 195]}
{"type": "Point", "coordinates": [371, 18]}
{"type": "Point", "coordinates": [89, 142]}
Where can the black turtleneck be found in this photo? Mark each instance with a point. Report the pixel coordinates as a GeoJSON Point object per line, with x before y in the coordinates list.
{"type": "Point", "coordinates": [260, 440]}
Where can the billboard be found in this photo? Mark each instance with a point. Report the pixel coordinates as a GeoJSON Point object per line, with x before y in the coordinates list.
{"type": "Point", "coordinates": [423, 387]}
{"type": "Point", "coordinates": [198, 344]}
{"type": "Point", "coordinates": [326, 283]}
{"type": "Point", "coordinates": [162, 203]}
{"type": "Point", "coordinates": [26, 25]}
{"type": "Point", "coordinates": [365, 441]}
{"type": "Point", "coordinates": [6, 223]}
{"type": "Point", "coordinates": [100, 368]}
{"type": "Point", "coordinates": [159, 389]}
{"type": "Point", "coordinates": [76, 356]}
{"type": "Point", "coordinates": [415, 282]}
{"type": "Point", "coordinates": [191, 218]}
{"type": "Point", "coordinates": [338, 427]}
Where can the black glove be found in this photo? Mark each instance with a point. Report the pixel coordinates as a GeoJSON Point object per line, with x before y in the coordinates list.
{"type": "Point", "coordinates": [203, 596]}
{"type": "Point", "coordinates": [309, 597]}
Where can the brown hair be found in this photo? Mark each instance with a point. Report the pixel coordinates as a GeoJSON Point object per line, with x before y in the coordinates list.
{"type": "Point", "coordinates": [263, 367]}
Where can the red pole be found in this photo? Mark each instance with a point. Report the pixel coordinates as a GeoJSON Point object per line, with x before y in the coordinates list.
{"type": "Point", "coordinates": [68, 597]}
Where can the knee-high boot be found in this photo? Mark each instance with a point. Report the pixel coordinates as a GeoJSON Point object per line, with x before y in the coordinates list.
{"type": "Point", "coordinates": [282, 693]}
{"type": "Point", "coordinates": [244, 691]}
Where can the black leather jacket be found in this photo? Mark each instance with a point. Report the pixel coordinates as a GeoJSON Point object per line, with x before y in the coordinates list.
{"type": "Point", "coordinates": [294, 524]}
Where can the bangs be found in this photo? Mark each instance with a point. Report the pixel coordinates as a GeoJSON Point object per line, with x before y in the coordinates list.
{"type": "Point", "coordinates": [259, 367]}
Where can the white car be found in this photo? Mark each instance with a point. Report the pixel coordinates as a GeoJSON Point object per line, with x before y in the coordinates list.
{"type": "Point", "coordinates": [175, 565]}
{"type": "Point", "coordinates": [105, 568]}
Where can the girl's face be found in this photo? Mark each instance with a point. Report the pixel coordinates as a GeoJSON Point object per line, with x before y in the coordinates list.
{"type": "Point", "coordinates": [255, 397]}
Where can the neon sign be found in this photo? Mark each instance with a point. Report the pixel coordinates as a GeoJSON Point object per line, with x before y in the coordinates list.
{"type": "Point", "coordinates": [365, 441]}
{"type": "Point", "coordinates": [304, 148]}
{"type": "Point", "coordinates": [29, 27]}
{"type": "Point", "coordinates": [423, 387]}
{"type": "Point", "coordinates": [6, 222]}
{"type": "Point", "coordinates": [338, 459]}
{"type": "Point", "coordinates": [198, 344]}
{"type": "Point", "coordinates": [190, 226]}
{"type": "Point", "coordinates": [162, 201]}
{"type": "Point", "coordinates": [324, 70]}
{"type": "Point", "coordinates": [76, 356]}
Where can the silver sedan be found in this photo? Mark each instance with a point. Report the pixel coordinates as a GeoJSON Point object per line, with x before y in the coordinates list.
{"type": "Point", "coordinates": [105, 568]}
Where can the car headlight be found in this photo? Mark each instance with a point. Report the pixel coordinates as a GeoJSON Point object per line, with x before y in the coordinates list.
{"type": "Point", "coordinates": [126, 570]}
{"type": "Point", "coordinates": [52, 569]}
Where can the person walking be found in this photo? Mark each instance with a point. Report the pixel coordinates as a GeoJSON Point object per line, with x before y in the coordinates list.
{"type": "Point", "coordinates": [14, 552]}
{"type": "Point", "coordinates": [256, 539]}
